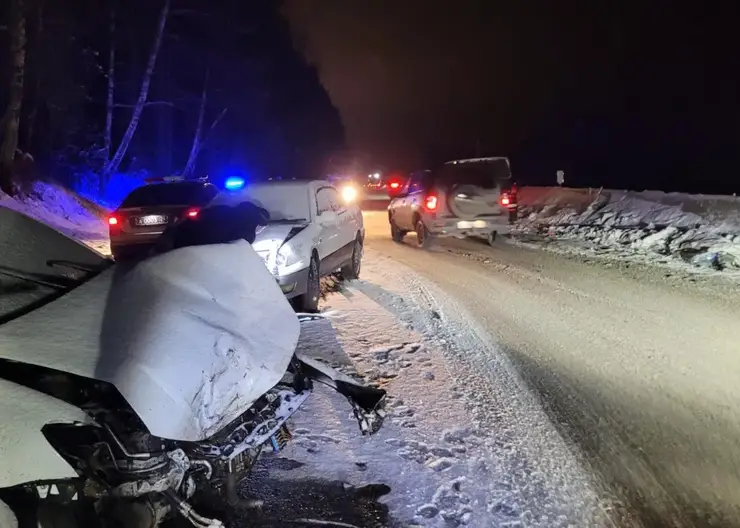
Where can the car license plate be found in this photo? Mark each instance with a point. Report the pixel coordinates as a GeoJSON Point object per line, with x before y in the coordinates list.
{"type": "Point", "coordinates": [151, 220]}
{"type": "Point", "coordinates": [476, 224]}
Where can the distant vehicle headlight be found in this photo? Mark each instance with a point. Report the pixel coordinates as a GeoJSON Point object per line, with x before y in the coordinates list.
{"type": "Point", "coordinates": [349, 193]}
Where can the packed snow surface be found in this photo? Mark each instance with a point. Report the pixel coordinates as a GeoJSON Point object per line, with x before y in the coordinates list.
{"type": "Point", "coordinates": [465, 442]}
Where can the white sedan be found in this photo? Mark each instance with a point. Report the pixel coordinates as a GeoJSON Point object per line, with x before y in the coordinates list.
{"type": "Point", "coordinates": [312, 233]}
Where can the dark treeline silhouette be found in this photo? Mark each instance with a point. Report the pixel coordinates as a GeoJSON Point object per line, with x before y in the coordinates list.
{"type": "Point", "coordinates": [228, 90]}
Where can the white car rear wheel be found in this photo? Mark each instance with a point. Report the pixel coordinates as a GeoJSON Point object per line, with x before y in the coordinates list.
{"type": "Point", "coordinates": [352, 270]}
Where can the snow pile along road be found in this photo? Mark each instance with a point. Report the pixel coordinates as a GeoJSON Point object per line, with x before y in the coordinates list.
{"type": "Point", "coordinates": [465, 442]}
{"type": "Point", "coordinates": [65, 211]}
{"type": "Point", "coordinates": [698, 230]}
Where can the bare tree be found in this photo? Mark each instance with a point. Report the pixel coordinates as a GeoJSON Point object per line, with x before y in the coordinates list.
{"type": "Point", "coordinates": [195, 148]}
{"type": "Point", "coordinates": [202, 141]}
{"type": "Point", "coordinates": [11, 119]}
{"type": "Point", "coordinates": [34, 45]}
{"type": "Point", "coordinates": [114, 163]}
{"type": "Point", "coordinates": [111, 85]}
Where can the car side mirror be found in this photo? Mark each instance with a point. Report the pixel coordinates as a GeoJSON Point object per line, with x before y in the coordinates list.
{"type": "Point", "coordinates": [328, 216]}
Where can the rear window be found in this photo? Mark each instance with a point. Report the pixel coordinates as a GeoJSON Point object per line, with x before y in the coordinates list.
{"type": "Point", "coordinates": [189, 193]}
{"type": "Point", "coordinates": [487, 174]}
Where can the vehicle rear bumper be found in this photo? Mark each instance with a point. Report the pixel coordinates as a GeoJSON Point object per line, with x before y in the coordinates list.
{"type": "Point", "coordinates": [137, 248]}
{"type": "Point", "coordinates": [481, 226]}
{"type": "Point", "coordinates": [294, 284]}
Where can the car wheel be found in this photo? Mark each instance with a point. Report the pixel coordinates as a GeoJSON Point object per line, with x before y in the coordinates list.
{"type": "Point", "coordinates": [396, 233]}
{"type": "Point", "coordinates": [309, 301]}
{"type": "Point", "coordinates": [423, 236]}
{"type": "Point", "coordinates": [352, 270]}
{"type": "Point", "coordinates": [492, 238]}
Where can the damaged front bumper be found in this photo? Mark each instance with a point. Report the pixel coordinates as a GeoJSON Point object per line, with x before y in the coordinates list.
{"type": "Point", "coordinates": [294, 284]}
{"type": "Point", "coordinates": [368, 403]}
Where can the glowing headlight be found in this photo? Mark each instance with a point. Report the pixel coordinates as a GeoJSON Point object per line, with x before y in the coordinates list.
{"type": "Point", "coordinates": [286, 256]}
{"type": "Point", "coordinates": [349, 193]}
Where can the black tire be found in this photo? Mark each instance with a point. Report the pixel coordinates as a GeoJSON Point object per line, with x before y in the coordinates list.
{"type": "Point", "coordinates": [352, 270]}
{"type": "Point", "coordinates": [396, 233]}
{"type": "Point", "coordinates": [309, 301]}
{"type": "Point", "coordinates": [423, 236]}
{"type": "Point", "coordinates": [492, 238]}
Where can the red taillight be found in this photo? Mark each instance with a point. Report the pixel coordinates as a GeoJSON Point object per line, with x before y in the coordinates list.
{"type": "Point", "coordinates": [430, 203]}
{"type": "Point", "coordinates": [113, 220]}
{"type": "Point", "coordinates": [395, 185]}
{"type": "Point", "coordinates": [508, 198]}
{"type": "Point", "coordinates": [192, 213]}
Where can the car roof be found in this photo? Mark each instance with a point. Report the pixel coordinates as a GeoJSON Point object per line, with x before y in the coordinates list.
{"type": "Point", "coordinates": [161, 188]}
{"type": "Point", "coordinates": [185, 183]}
{"type": "Point", "coordinates": [290, 183]}
{"type": "Point", "coordinates": [478, 160]}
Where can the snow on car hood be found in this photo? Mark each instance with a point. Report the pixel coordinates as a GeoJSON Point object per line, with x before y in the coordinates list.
{"type": "Point", "coordinates": [190, 338]}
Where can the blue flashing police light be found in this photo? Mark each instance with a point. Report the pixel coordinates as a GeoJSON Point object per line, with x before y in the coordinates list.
{"type": "Point", "coordinates": [234, 183]}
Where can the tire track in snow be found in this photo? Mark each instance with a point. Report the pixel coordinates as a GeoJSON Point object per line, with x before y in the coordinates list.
{"type": "Point", "coordinates": [540, 481]}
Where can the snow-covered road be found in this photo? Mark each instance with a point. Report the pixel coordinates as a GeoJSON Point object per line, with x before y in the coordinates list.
{"type": "Point", "coordinates": [637, 367]}
{"type": "Point", "coordinates": [465, 444]}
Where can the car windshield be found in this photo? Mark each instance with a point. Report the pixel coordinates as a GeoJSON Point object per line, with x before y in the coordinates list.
{"type": "Point", "coordinates": [285, 203]}
{"type": "Point", "coordinates": [38, 264]}
{"type": "Point", "coordinates": [185, 193]}
{"type": "Point", "coordinates": [487, 174]}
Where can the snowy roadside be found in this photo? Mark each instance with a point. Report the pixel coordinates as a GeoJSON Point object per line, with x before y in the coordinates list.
{"type": "Point", "coordinates": [66, 212]}
{"type": "Point", "coordinates": [689, 232]}
{"type": "Point", "coordinates": [465, 442]}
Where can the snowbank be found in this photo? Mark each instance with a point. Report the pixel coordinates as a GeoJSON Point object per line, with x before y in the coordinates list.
{"type": "Point", "coordinates": [65, 211]}
{"type": "Point", "coordinates": [700, 230]}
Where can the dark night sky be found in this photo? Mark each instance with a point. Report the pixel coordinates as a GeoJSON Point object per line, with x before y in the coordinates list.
{"type": "Point", "coordinates": [571, 84]}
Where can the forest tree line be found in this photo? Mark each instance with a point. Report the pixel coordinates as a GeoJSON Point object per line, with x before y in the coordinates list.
{"type": "Point", "coordinates": [93, 88]}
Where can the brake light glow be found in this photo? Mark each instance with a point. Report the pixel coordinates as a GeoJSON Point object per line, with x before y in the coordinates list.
{"type": "Point", "coordinates": [395, 185]}
{"type": "Point", "coordinates": [192, 213]}
{"type": "Point", "coordinates": [430, 203]}
{"type": "Point", "coordinates": [508, 198]}
{"type": "Point", "coordinates": [112, 220]}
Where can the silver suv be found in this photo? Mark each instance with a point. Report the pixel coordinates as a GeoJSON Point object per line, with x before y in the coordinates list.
{"type": "Point", "coordinates": [470, 197]}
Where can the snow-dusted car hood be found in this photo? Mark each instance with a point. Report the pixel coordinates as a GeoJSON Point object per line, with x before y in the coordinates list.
{"type": "Point", "coordinates": [273, 235]}
{"type": "Point", "coordinates": [190, 338]}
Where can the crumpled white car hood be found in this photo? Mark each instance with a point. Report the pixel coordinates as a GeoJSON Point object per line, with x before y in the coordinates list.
{"type": "Point", "coordinates": [190, 338]}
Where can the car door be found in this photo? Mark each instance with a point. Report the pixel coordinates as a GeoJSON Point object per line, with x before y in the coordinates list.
{"type": "Point", "coordinates": [400, 209]}
{"type": "Point", "coordinates": [414, 199]}
{"type": "Point", "coordinates": [328, 217]}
